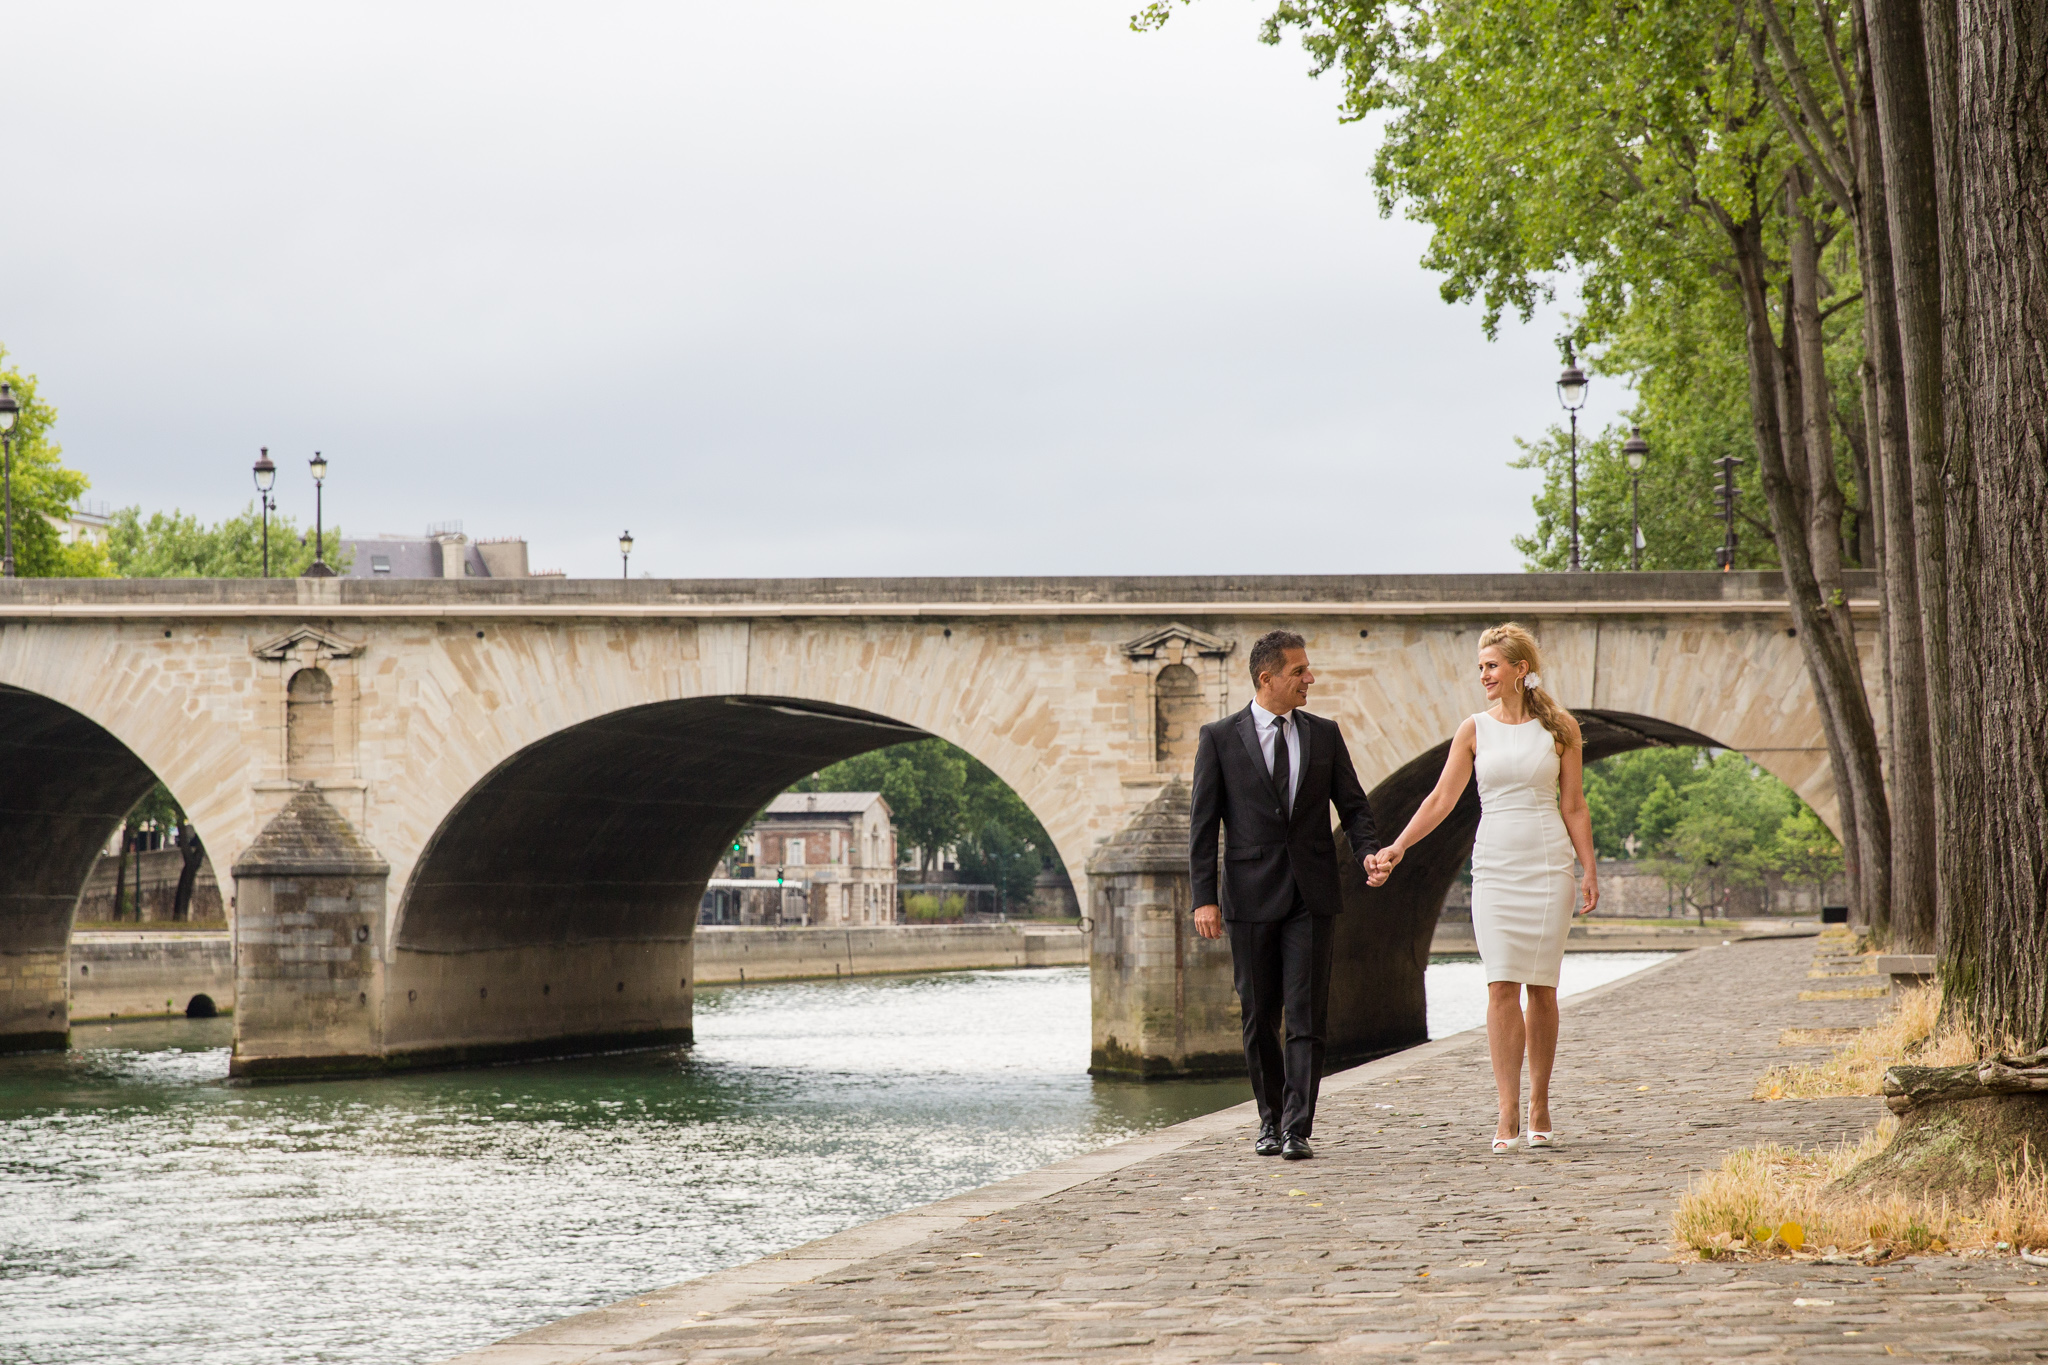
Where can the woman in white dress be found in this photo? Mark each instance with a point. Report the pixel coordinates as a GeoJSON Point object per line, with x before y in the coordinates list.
{"type": "Point", "coordinates": [1526, 751]}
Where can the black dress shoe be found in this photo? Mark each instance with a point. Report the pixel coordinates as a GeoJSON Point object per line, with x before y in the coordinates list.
{"type": "Point", "coordinates": [1268, 1143]}
{"type": "Point", "coordinates": [1295, 1149]}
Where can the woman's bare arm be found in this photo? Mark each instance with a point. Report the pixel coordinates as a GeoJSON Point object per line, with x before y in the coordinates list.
{"type": "Point", "coordinates": [1578, 822]}
{"type": "Point", "coordinates": [1450, 785]}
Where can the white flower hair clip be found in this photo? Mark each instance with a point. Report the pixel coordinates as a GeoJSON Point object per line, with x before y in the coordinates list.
{"type": "Point", "coordinates": [1532, 682]}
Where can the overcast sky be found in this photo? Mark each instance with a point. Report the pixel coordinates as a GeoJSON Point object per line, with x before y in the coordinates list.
{"type": "Point", "coordinates": [981, 286]}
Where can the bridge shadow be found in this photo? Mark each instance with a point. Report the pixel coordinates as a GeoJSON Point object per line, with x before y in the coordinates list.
{"type": "Point", "coordinates": [1377, 1004]}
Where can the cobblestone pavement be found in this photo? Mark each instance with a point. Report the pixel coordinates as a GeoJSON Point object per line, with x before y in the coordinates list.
{"type": "Point", "coordinates": [1404, 1239]}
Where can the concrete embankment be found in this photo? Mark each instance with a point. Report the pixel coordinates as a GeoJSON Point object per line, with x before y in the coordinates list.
{"type": "Point", "coordinates": [728, 955]}
{"type": "Point", "coordinates": [144, 974]}
{"type": "Point", "coordinates": [148, 974]}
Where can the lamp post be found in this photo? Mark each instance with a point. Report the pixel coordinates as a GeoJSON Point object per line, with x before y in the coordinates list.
{"type": "Point", "coordinates": [625, 554]}
{"type": "Point", "coordinates": [318, 568]}
{"type": "Point", "coordinates": [266, 475]}
{"type": "Point", "coordinates": [1635, 450]}
{"type": "Point", "coordinates": [1571, 391]}
{"type": "Point", "coordinates": [1725, 556]}
{"type": "Point", "coordinates": [10, 409]}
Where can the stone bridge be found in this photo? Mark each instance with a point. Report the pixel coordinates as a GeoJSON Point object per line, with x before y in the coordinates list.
{"type": "Point", "coordinates": [469, 820]}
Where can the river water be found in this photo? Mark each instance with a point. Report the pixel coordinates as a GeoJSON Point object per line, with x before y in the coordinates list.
{"type": "Point", "coordinates": [150, 1213]}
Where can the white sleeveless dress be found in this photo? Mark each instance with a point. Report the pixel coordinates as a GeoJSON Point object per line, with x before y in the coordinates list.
{"type": "Point", "coordinates": [1523, 882]}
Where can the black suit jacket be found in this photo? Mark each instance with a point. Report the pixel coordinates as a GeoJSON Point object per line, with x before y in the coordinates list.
{"type": "Point", "coordinates": [1271, 851]}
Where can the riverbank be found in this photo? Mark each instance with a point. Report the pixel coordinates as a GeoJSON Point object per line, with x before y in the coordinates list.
{"type": "Point", "coordinates": [1404, 1238]}
{"type": "Point", "coordinates": [727, 955]}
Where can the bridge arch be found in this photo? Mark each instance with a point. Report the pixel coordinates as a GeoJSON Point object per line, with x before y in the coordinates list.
{"type": "Point", "coordinates": [66, 784]}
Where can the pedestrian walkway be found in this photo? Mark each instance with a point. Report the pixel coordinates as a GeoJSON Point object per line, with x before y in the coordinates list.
{"type": "Point", "coordinates": [1404, 1239]}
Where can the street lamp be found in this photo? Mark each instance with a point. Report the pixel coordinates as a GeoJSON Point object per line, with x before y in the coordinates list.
{"type": "Point", "coordinates": [1571, 391]}
{"type": "Point", "coordinates": [625, 554]}
{"type": "Point", "coordinates": [10, 409]}
{"type": "Point", "coordinates": [1635, 450]}
{"type": "Point", "coordinates": [318, 568]}
{"type": "Point", "coordinates": [266, 474]}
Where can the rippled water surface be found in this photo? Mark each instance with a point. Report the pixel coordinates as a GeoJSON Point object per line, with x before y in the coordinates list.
{"type": "Point", "coordinates": [150, 1213]}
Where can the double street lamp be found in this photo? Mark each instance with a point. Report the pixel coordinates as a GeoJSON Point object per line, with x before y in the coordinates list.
{"type": "Point", "coordinates": [10, 409]}
{"type": "Point", "coordinates": [1571, 392]}
{"type": "Point", "coordinates": [1635, 450]}
{"type": "Point", "coordinates": [266, 476]}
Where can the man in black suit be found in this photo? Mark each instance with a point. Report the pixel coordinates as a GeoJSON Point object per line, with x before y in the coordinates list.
{"type": "Point", "coordinates": [1269, 775]}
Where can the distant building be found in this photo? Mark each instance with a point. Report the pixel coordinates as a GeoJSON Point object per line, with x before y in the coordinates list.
{"type": "Point", "coordinates": [840, 846]}
{"type": "Point", "coordinates": [85, 524]}
{"type": "Point", "coordinates": [443, 552]}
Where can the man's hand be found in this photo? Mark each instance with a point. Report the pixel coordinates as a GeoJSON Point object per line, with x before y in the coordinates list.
{"type": "Point", "coordinates": [1209, 921]}
{"type": "Point", "coordinates": [1380, 866]}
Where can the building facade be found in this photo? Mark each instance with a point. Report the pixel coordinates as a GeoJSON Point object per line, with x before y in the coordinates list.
{"type": "Point", "coordinates": [839, 846]}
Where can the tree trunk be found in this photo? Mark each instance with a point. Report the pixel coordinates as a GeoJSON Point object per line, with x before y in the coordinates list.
{"type": "Point", "coordinates": [188, 875]}
{"type": "Point", "coordinates": [121, 875]}
{"type": "Point", "coordinates": [1824, 508]}
{"type": "Point", "coordinates": [1907, 699]}
{"type": "Point", "coordinates": [1906, 157]}
{"type": "Point", "coordinates": [1958, 683]}
{"type": "Point", "coordinates": [1830, 659]}
{"type": "Point", "coordinates": [2002, 118]}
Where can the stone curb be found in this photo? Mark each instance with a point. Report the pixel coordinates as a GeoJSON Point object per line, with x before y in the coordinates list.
{"type": "Point", "coordinates": [568, 1341]}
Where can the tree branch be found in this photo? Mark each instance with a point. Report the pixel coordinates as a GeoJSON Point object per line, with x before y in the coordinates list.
{"type": "Point", "coordinates": [1822, 126]}
{"type": "Point", "coordinates": [1834, 186]}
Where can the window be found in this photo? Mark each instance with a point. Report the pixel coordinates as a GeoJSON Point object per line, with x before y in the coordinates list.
{"type": "Point", "coordinates": [380, 563]}
{"type": "Point", "coordinates": [793, 853]}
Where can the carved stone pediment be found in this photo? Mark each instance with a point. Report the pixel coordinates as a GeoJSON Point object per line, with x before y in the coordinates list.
{"type": "Point", "coordinates": [305, 642]}
{"type": "Point", "coordinates": [1148, 645]}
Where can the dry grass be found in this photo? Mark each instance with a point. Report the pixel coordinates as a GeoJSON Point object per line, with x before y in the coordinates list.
{"type": "Point", "coordinates": [1773, 1201]}
{"type": "Point", "coordinates": [1913, 1032]}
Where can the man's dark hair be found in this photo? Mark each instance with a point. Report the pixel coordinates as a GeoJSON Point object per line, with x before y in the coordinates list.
{"type": "Point", "coordinates": [1269, 655]}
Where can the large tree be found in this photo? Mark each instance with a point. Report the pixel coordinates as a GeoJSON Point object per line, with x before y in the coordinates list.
{"type": "Point", "coordinates": [44, 490]}
{"type": "Point", "coordinates": [1635, 146]}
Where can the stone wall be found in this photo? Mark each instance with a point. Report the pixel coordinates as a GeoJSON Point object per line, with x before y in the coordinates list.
{"type": "Point", "coordinates": [147, 974]}
{"type": "Point", "coordinates": [158, 871]}
{"type": "Point", "coordinates": [730, 954]}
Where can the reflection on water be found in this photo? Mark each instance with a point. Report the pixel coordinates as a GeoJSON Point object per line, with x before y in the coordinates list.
{"type": "Point", "coordinates": [153, 1214]}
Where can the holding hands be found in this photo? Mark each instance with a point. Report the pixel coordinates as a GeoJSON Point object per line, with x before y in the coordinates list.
{"type": "Point", "coordinates": [1379, 866]}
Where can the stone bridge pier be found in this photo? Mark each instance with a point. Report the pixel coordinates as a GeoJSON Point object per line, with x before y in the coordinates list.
{"type": "Point", "coordinates": [469, 820]}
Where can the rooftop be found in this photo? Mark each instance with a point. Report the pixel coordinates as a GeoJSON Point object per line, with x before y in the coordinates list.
{"type": "Point", "coordinates": [823, 803]}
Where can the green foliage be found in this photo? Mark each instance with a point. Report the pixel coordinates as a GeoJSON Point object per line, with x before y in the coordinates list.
{"type": "Point", "coordinates": [940, 797]}
{"type": "Point", "coordinates": [1706, 824]}
{"type": "Point", "coordinates": [928, 907]}
{"type": "Point", "coordinates": [177, 544]}
{"type": "Point", "coordinates": [44, 489]}
{"type": "Point", "coordinates": [1618, 787]}
{"type": "Point", "coordinates": [158, 810]}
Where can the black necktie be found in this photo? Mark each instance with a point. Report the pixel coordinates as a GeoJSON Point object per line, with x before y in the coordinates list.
{"type": "Point", "coordinates": [1281, 763]}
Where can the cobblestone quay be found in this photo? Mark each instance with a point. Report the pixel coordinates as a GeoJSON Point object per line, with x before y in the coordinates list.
{"type": "Point", "coordinates": [1404, 1239]}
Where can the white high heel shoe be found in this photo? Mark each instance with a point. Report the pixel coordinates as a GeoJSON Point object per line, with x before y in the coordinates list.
{"type": "Point", "coordinates": [1537, 1139]}
{"type": "Point", "coordinates": [1506, 1144]}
